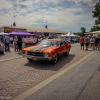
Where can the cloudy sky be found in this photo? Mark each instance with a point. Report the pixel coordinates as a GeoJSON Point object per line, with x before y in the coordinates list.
{"type": "Point", "coordinates": [66, 15]}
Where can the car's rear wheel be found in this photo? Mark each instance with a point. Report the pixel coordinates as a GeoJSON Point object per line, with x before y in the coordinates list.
{"type": "Point", "coordinates": [2, 52]}
{"type": "Point", "coordinates": [67, 53]}
{"type": "Point", "coordinates": [29, 59]}
{"type": "Point", "coordinates": [55, 59]}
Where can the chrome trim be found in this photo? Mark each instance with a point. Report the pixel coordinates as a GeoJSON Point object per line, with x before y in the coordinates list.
{"type": "Point", "coordinates": [37, 57]}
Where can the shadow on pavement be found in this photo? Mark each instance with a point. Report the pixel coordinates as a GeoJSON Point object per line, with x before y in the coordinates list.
{"type": "Point", "coordinates": [47, 65]}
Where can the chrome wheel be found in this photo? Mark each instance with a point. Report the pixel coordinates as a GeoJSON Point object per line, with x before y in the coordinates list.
{"type": "Point", "coordinates": [67, 53]}
{"type": "Point", "coordinates": [55, 59]}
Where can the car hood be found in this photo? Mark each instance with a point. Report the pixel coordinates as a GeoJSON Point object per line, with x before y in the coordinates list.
{"type": "Point", "coordinates": [39, 48]}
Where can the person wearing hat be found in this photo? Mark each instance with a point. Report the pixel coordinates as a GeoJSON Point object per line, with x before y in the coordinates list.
{"type": "Point", "coordinates": [7, 41]}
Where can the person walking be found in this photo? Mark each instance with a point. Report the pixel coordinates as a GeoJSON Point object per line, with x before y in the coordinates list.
{"type": "Point", "coordinates": [87, 42]}
{"type": "Point", "coordinates": [82, 41]}
{"type": "Point", "coordinates": [15, 43]}
{"type": "Point", "coordinates": [7, 42]}
{"type": "Point", "coordinates": [92, 41]}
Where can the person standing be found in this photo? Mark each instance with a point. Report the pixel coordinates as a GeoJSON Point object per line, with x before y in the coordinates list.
{"type": "Point", "coordinates": [97, 43]}
{"type": "Point", "coordinates": [92, 41]}
{"type": "Point", "coordinates": [87, 42]}
{"type": "Point", "coordinates": [19, 43]}
{"type": "Point", "coordinates": [69, 40]}
{"type": "Point", "coordinates": [7, 41]}
{"type": "Point", "coordinates": [82, 41]}
{"type": "Point", "coordinates": [15, 43]}
{"type": "Point", "coordinates": [11, 41]}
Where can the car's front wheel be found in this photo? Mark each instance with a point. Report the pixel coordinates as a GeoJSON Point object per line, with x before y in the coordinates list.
{"type": "Point", "coordinates": [55, 59]}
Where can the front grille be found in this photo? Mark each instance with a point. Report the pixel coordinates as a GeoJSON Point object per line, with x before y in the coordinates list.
{"type": "Point", "coordinates": [35, 53]}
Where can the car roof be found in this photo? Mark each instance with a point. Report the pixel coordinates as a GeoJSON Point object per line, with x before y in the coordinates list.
{"type": "Point", "coordinates": [54, 39]}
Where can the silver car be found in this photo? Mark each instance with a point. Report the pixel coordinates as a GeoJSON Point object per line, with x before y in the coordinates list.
{"type": "Point", "coordinates": [2, 48]}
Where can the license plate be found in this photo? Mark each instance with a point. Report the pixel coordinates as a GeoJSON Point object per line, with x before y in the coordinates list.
{"type": "Point", "coordinates": [34, 58]}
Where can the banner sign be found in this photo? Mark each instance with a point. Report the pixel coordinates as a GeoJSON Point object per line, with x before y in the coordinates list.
{"type": "Point", "coordinates": [9, 30]}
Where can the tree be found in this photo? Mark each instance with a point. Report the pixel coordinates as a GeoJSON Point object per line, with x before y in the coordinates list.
{"type": "Point", "coordinates": [95, 28]}
{"type": "Point", "coordinates": [83, 30]}
{"type": "Point", "coordinates": [96, 13]}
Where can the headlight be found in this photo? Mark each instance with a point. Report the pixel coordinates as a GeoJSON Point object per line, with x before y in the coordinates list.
{"type": "Point", "coordinates": [25, 52]}
{"type": "Point", "coordinates": [46, 55]}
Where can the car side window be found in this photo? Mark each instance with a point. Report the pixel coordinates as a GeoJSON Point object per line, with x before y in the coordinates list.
{"type": "Point", "coordinates": [62, 43]}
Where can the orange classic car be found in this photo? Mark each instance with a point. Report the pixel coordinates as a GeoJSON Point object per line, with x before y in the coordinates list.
{"type": "Point", "coordinates": [48, 49]}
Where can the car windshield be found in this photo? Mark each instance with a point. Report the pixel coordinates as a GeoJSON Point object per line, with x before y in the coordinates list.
{"type": "Point", "coordinates": [49, 43]}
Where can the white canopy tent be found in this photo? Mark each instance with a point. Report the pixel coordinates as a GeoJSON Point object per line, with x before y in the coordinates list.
{"type": "Point", "coordinates": [2, 33]}
{"type": "Point", "coordinates": [70, 34]}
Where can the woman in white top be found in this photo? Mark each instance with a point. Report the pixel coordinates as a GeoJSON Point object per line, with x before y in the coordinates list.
{"type": "Point", "coordinates": [11, 41]}
{"type": "Point", "coordinates": [15, 43]}
{"type": "Point", "coordinates": [69, 40]}
{"type": "Point", "coordinates": [92, 41]}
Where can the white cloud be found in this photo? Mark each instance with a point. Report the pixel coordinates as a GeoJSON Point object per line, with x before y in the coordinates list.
{"type": "Point", "coordinates": [58, 16]}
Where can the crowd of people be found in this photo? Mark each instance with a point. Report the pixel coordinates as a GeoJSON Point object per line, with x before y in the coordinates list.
{"type": "Point", "coordinates": [17, 41]}
{"type": "Point", "coordinates": [92, 42]}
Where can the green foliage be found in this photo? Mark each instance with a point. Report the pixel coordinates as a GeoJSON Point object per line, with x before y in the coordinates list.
{"type": "Point", "coordinates": [96, 13]}
{"type": "Point", "coordinates": [95, 28]}
{"type": "Point", "coordinates": [64, 33]}
{"type": "Point", "coordinates": [83, 30]}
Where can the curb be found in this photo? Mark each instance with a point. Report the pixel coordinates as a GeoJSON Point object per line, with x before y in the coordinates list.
{"type": "Point", "coordinates": [10, 59]}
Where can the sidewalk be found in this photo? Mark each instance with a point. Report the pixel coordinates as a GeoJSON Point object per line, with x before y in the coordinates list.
{"type": "Point", "coordinates": [9, 55]}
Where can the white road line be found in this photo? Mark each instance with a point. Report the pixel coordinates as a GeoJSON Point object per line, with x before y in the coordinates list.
{"type": "Point", "coordinates": [47, 81]}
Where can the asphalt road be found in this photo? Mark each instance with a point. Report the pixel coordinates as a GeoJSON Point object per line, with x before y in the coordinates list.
{"type": "Point", "coordinates": [75, 84]}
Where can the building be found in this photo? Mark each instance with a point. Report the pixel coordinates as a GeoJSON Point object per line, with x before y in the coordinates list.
{"type": "Point", "coordinates": [32, 30]}
{"type": "Point", "coordinates": [95, 33]}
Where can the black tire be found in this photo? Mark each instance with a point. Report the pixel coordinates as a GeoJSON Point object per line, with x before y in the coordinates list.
{"type": "Point", "coordinates": [67, 53]}
{"type": "Point", "coordinates": [29, 59]}
{"type": "Point", "coordinates": [2, 52]}
{"type": "Point", "coordinates": [55, 59]}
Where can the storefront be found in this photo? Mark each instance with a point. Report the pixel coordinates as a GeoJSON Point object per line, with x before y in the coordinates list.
{"type": "Point", "coordinates": [9, 30]}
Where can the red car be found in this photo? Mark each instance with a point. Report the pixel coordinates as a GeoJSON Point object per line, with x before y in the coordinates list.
{"type": "Point", "coordinates": [48, 49]}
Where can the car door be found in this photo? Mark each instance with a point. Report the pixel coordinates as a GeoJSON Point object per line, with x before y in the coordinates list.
{"type": "Point", "coordinates": [62, 48]}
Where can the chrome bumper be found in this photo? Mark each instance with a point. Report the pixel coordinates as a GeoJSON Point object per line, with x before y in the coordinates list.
{"type": "Point", "coordinates": [37, 58]}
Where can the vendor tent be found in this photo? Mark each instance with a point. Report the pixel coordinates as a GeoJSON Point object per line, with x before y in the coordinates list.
{"type": "Point", "coordinates": [20, 33]}
{"type": "Point", "coordinates": [70, 34]}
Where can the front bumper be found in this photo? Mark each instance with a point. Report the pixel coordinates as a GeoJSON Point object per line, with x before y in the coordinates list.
{"type": "Point", "coordinates": [37, 58]}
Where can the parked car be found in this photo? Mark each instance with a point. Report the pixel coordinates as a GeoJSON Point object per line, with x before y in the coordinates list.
{"type": "Point", "coordinates": [2, 48]}
{"type": "Point", "coordinates": [48, 49]}
{"type": "Point", "coordinates": [75, 40]}
{"type": "Point", "coordinates": [28, 42]}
